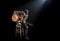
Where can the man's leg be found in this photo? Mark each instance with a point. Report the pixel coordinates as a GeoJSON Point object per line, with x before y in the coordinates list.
{"type": "Point", "coordinates": [26, 32]}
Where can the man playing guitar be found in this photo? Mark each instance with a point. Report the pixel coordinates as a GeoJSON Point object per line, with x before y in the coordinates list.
{"type": "Point", "coordinates": [21, 17]}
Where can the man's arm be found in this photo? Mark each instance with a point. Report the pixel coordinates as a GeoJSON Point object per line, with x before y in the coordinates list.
{"type": "Point", "coordinates": [30, 24]}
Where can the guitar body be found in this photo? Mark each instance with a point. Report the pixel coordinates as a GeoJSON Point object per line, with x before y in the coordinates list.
{"type": "Point", "coordinates": [14, 18]}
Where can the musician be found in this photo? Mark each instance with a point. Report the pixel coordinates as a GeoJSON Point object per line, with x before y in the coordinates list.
{"type": "Point", "coordinates": [18, 18]}
{"type": "Point", "coordinates": [21, 17]}
{"type": "Point", "coordinates": [25, 22]}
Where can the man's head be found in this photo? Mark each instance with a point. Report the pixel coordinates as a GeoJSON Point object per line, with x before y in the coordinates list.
{"type": "Point", "coordinates": [26, 11]}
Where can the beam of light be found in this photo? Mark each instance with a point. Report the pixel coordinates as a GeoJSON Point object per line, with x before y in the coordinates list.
{"type": "Point", "coordinates": [33, 7]}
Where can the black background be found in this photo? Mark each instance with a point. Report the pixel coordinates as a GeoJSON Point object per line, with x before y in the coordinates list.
{"type": "Point", "coordinates": [45, 26]}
